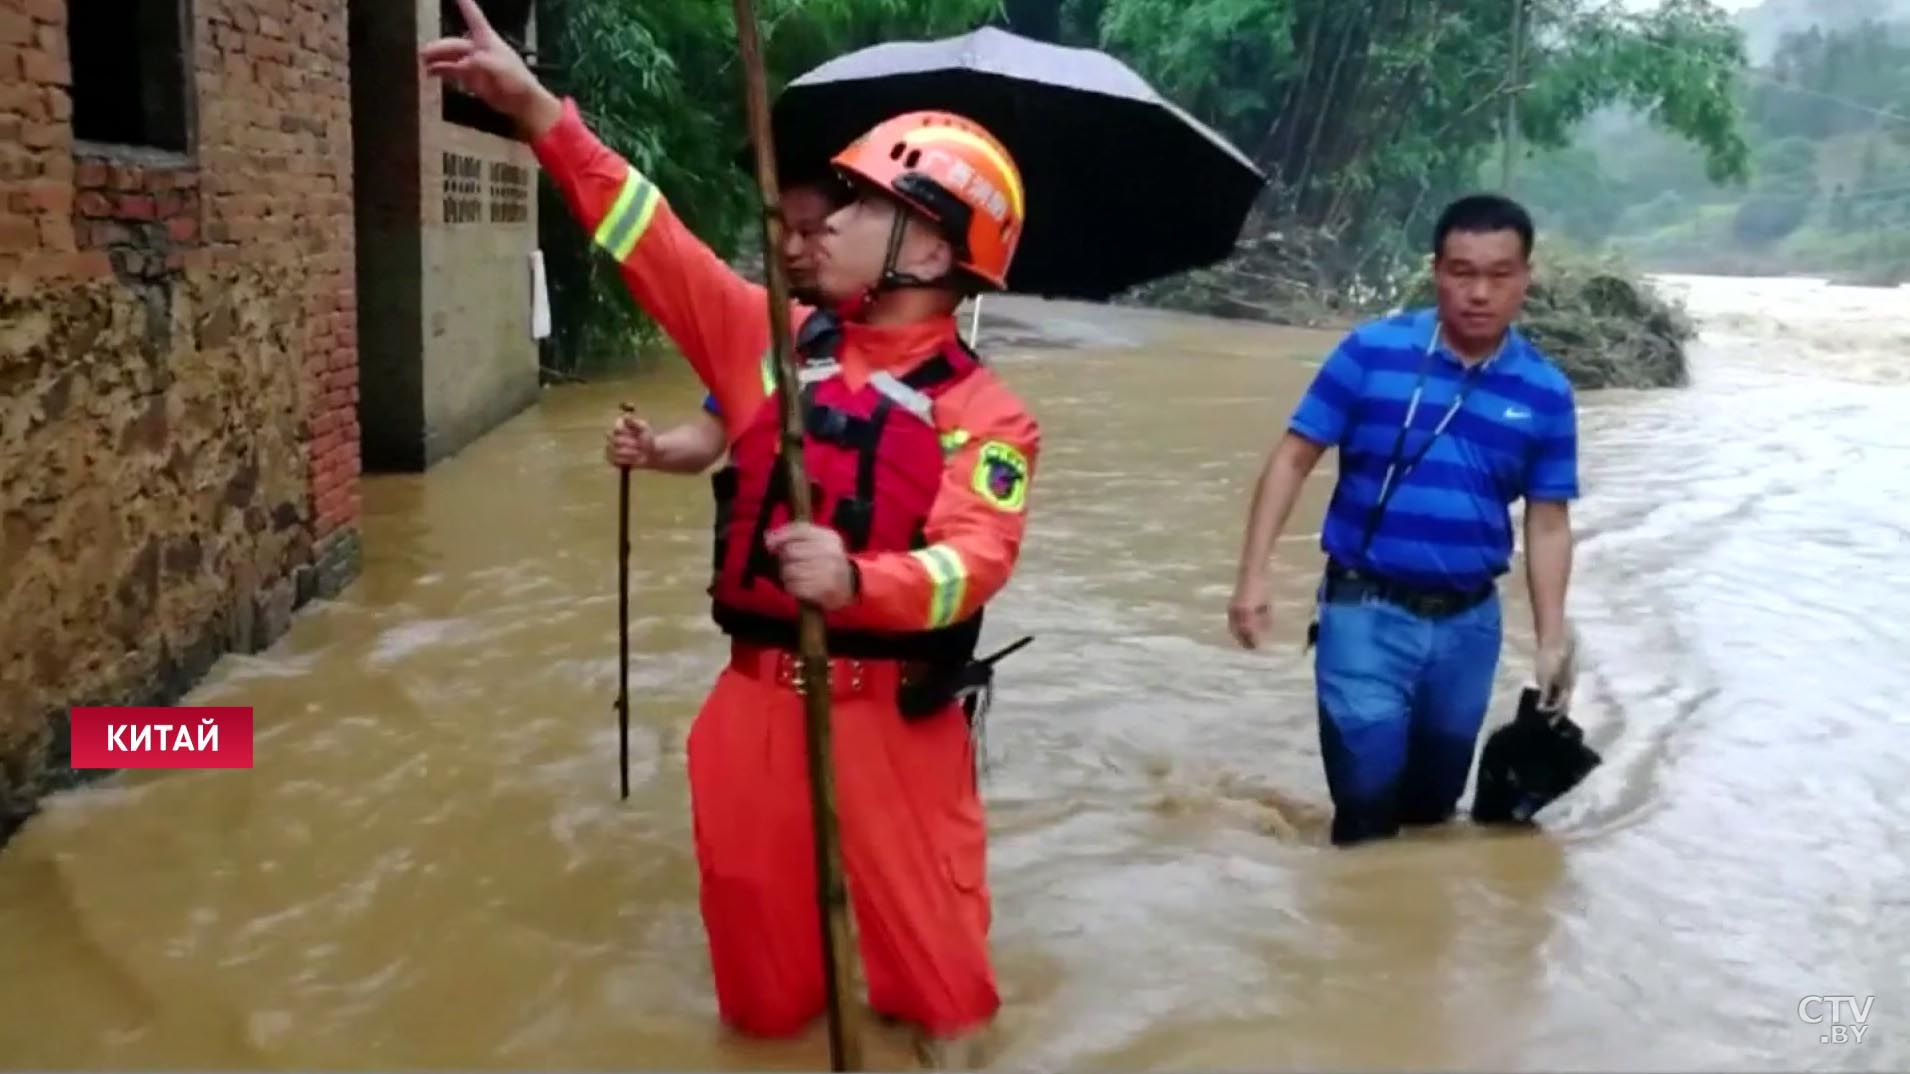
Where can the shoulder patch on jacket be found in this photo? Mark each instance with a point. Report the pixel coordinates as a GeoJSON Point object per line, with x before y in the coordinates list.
{"type": "Point", "coordinates": [1001, 475]}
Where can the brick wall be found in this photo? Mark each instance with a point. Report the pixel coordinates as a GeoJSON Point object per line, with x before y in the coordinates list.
{"type": "Point", "coordinates": [178, 358]}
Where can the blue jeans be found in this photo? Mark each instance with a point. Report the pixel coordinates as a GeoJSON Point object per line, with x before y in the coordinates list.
{"type": "Point", "coordinates": [1401, 702]}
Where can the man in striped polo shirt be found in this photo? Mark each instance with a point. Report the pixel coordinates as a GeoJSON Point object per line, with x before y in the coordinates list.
{"type": "Point", "coordinates": [1442, 417]}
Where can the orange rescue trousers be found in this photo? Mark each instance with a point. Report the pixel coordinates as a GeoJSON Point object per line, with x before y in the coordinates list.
{"type": "Point", "coordinates": [914, 848]}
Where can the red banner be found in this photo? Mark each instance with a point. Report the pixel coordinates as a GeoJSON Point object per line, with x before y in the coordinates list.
{"type": "Point", "coordinates": [162, 737]}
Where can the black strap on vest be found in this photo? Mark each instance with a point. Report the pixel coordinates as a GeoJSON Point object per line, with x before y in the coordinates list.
{"type": "Point", "coordinates": [854, 515]}
{"type": "Point", "coordinates": [817, 340]}
{"type": "Point", "coordinates": [941, 654]}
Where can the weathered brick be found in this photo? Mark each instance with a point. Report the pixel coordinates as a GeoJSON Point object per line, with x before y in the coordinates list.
{"type": "Point", "coordinates": [137, 207]}
{"type": "Point", "coordinates": [45, 68]}
{"type": "Point", "coordinates": [18, 233]}
{"type": "Point", "coordinates": [16, 27]}
{"type": "Point", "coordinates": [50, 11]}
{"type": "Point", "coordinates": [93, 174]}
{"type": "Point", "coordinates": [15, 96]}
{"type": "Point", "coordinates": [47, 198]}
{"type": "Point", "coordinates": [42, 135]}
{"type": "Point", "coordinates": [57, 165]}
{"type": "Point", "coordinates": [66, 266]}
{"type": "Point", "coordinates": [182, 229]}
{"type": "Point", "coordinates": [93, 203]}
{"type": "Point", "coordinates": [56, 233]}
{"type": "Point", "coordinates": [103, 233]}
{"type": "Point", "coordinates": [59, 104]}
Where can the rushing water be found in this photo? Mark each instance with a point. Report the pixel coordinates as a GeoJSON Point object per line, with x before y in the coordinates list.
{"type": "Point", "coordinates": [430, 866]}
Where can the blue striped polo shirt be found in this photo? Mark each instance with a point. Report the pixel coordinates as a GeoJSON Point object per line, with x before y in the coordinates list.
{"type": "Point", "coordinates": [1448, 525]}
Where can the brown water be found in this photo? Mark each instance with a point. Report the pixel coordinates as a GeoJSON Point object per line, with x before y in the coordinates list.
{"type": "Point", "coordinates": [429, 865]}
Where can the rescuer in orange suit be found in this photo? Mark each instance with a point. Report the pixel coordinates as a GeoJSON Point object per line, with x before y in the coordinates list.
{"type": "Point", "coordinates": [922, 460]}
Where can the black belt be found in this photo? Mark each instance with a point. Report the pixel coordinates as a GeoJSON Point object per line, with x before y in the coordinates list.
{"type": "Point", "coordinates": [1343, 585]}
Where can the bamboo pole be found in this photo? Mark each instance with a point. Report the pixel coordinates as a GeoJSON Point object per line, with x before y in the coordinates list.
{"type": "Point", "coordinates": [1512, 96]}
{"type": "Point", "coordinates": [831, 889]}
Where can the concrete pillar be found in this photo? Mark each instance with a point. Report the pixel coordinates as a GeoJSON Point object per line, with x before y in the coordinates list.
{"type": "Point", "coordinates": [447, 229]}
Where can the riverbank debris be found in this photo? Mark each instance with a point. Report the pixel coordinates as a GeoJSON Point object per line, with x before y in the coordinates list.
{"type": "Point", "coordinates": [1603, 322]}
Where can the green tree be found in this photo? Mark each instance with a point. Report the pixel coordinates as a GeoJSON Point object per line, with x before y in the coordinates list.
{"type": "Point", "coordinates": [1367, 115]}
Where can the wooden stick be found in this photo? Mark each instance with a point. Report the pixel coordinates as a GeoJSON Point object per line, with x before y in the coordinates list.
{"type": "Point", "coordinates": [623, 623]}
{"type": "Point", "coordinates": [623, 629]}
{"type": "Point", "coordinates": [831, 890]}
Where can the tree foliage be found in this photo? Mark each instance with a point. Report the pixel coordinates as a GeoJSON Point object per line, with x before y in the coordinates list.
{"type": "Point", "coordinates": [1366, 114]}
{"type": "Point", "coordinates": [1828, 121]}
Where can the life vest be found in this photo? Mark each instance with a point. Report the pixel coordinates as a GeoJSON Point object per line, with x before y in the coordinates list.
{"type": "Point", "coordinates": [874, 459]}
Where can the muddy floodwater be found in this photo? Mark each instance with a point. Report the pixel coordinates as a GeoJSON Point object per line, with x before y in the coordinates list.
{"type": "Point", "coordinates": [429, 865]}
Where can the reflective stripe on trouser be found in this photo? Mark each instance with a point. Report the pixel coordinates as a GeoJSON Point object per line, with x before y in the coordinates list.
{"type": "Point", "coordinates": [1401, 701]}
{"type": "Point", "coordinates": [913, 848]}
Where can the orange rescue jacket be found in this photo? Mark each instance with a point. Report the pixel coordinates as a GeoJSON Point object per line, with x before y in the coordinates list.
{"type": "Point", "coordinates": [969, 542]}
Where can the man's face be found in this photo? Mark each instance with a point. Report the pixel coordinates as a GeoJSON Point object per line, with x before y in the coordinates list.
{"type": "Point", "coordinates": [805, 208]}
{"type": "Point", "coordinates": [1482, 278]}
{"type": "Point", "coordinates": [855, 242]}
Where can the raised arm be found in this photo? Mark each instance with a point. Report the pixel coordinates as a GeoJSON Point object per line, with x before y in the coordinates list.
{"type": "Point", "coordinates": [719, 320]}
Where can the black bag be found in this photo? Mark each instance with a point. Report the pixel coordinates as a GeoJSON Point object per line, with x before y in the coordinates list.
{"type": "Point", "coordinates": [1530, 763]}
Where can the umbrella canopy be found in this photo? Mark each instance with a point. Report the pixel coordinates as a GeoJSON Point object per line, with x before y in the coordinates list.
{"type": "Point", "coordinates": [1122, 186]}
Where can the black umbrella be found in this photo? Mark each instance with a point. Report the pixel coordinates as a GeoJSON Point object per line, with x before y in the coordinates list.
{"type": "Point", "coordinates": [1122, 186]}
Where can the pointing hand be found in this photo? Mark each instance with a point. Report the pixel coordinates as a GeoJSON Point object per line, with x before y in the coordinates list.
{"type": "Point", "coordinates": [483, 64]}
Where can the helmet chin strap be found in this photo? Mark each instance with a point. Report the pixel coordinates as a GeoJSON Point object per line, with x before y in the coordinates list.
{"type": "Point", "coordinates": [892, 279]}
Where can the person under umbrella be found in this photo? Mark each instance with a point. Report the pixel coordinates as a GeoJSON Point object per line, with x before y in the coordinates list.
{"type": "Point", "coordinates": [902, 567]}
{"type": "Point", "coordinates": [923, 460]}
{"type": "Point", "coordinates": [1121, 185]}
{"type": "Point", "coordinates": [695, 445]}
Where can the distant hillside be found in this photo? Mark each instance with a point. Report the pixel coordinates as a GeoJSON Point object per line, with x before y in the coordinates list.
{"type": "Point", "coordinates": [1828, 119]}
{"type": "Point", "coordinates": [1765, 25]}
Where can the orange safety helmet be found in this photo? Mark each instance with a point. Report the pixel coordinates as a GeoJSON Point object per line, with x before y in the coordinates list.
{"type": "Point", "coordinates": [950, 169]}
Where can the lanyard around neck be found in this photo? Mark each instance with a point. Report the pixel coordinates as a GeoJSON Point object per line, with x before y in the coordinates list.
{"type": "Point", "coordinates": [1394, 470]}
